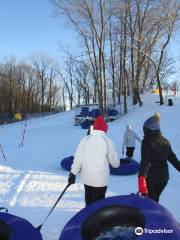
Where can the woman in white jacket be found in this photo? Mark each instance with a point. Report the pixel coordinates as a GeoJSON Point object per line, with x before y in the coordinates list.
{"type": "Point", "coordinates": [92, 158]}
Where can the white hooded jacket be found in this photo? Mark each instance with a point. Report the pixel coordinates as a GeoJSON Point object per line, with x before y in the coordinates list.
{"type": "Point", "coordinates": [92, 158]}
{"type": "Point", "coordinates": [129, 137]}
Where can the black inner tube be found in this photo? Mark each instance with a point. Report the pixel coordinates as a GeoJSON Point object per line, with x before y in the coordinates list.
{"type": "Point", "coordinates": [109, 217]}
{"type": "Point", "coordinates": [5, 231]}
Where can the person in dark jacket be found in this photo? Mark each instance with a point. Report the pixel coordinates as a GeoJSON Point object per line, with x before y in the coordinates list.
{"type": "Point", "coordinates": [155, 153]}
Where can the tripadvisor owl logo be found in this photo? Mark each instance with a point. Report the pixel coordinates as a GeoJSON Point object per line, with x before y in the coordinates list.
{"type": "Point", "coordinates": [139, 231]}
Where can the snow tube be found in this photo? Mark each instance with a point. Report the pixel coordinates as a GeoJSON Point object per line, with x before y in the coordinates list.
{"type": "Point", "coordinates": [113, 112]}
{"type": "Point", "coordinates": [150, 220]}
{"type": "Point", "coordinates": [16, 228]}
{"type": "Point", "coordinates": [66, 163]}
{"type": "Point", "coordinates": [94, 113]}
{"type": "Point", "coordinates": [85, 111]}
{"type": "Point", "coordinates": [128, 168]}
{"type": "Point", "coordinates": [85, 124]}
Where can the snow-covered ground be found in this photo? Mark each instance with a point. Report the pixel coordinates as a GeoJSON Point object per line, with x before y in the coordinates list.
{"type": "Point", "coordinates": [32, 179]}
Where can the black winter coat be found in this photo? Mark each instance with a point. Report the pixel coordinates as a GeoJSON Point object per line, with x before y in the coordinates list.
{"type": "Point", "coordinates": [155, 152]}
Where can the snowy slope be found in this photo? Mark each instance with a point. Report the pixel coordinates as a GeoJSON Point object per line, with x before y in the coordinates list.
{"type": "Point", "coordinates": [32, 179]}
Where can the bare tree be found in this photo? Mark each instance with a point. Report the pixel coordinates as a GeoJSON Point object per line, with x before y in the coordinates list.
{"type": "Point", "coordinates": [46, 73]}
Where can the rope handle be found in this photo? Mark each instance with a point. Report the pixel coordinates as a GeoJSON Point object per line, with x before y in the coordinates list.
{"type": "Point", "coordinates": [2, 208]}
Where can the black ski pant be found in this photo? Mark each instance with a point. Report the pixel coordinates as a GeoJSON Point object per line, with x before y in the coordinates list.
{"type": "Point", "coordinates": [129, 151]}
{"type": "Point", "coordinates": [155, 190]}
{"type": "Point", "coordinates": [93, 194]}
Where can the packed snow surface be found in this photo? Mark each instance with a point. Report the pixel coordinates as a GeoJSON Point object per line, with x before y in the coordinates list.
{"type": "Point", "coordinates": [31, 180]}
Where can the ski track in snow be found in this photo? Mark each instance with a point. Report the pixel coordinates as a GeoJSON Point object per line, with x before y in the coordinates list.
{"type": "Point", "coordinates": [20, 188]}
{"type": "Point", "coordinates": [32, 179]}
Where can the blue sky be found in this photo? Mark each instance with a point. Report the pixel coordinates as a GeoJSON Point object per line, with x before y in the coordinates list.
{"type": "Point", "coordinates": [174, 53]}
{"type": "Point", "coordinates": [26, 27]}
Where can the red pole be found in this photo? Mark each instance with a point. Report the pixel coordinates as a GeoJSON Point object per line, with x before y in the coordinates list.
{"type": "Point", "coordinates": [1, 145]}
{"type": "Point", "coordinates": [174, 89]}
{"type": "Point", "coordinates": [24, 131]}
{"type": "Point", "coordinates": [3, 153]}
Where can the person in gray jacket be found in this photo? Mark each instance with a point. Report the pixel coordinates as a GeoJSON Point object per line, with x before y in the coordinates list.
{"type": "Point", "coordinates": [129, 141]}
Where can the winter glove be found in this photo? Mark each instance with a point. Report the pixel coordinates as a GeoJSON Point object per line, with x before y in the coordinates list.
{"type": "Point", "coordinates": [142, 186]}
{"type": "Point", "coordinates": [71, 179]}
